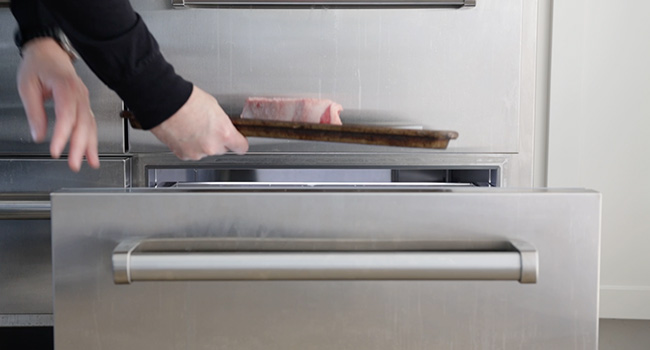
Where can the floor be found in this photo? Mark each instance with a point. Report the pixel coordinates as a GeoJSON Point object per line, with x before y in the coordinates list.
{"type": "Point", "coordinates": [624, 335]}
{"type": "Point", "coordinates": [614, 335]}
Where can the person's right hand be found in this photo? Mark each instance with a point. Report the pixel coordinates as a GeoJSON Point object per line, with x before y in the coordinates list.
{"type": "Point", "coordinates": [45, 72]}
{"type": "Point", "coordinates": [200, 128]}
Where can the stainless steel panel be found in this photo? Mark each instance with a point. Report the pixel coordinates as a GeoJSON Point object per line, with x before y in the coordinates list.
{"type": "Point", "coordinates": [25, 245]}
{"type": "Point", "coordinates": [451, 69]}
{"type": "Point", "coordinates": [25, 267]}
{"type": "Point", "coordinates": [47, 175]}
{"type": "Point", "coordinates": [558, 312]}
{"type": "Point", "coordinates": [15, 137]}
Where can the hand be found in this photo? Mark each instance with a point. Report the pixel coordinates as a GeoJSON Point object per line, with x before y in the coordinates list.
{"type": "Point", "coordinates": [199, 129]}
{"type": "Point", "coordinates": [46, 72]}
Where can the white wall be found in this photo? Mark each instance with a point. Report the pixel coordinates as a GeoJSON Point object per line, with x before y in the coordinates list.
{"type": "Point", "coordinates": [599, 135]}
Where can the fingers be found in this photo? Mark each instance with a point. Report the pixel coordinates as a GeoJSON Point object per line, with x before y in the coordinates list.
{"type": "Point", "coordinates": [31, 95]}
{"type": "Point", "coordinates": [74, 121]}
{"type": "Point", "coordinates": [92, 156]}
{"type": "Point", "coordinates": [65, 108]}
{"type": "Point", "coordinates": [46, 71]}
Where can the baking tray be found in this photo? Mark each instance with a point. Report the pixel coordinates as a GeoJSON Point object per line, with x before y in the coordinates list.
{"type": "Point", "coordinates": [348, 133]}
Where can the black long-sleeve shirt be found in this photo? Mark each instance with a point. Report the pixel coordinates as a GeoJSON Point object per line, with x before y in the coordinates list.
{"type": "Point", "coordinates": [115, 43]}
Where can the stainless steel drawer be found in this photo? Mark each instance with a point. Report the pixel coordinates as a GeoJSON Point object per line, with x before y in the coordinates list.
{"type": "Point", "coordinates": [293, 269]}
{"type": "Point", "coordinates": [25, 235]}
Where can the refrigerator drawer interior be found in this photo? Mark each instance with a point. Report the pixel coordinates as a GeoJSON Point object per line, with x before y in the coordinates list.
{"type": "Point", "coordinates": [253, 177]}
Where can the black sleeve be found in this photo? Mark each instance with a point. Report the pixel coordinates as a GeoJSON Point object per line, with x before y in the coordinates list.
{"type": "Point", "coordinates": [31, 17]}
{"type": "Point", "coordinates": [116, 44]}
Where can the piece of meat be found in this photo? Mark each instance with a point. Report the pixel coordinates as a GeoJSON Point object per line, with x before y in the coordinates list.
{"type": "Point", "coordinates": [306, 110]}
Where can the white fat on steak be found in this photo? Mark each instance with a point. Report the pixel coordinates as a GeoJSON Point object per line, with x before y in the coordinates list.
{"type": "Point", "coordinates": [305, 110]}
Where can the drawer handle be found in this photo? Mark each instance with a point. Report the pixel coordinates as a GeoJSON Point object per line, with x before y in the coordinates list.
{"type": "Point", "coordinates": [22, 209]}
{"type": "Point", "coordinates": [133, 261]}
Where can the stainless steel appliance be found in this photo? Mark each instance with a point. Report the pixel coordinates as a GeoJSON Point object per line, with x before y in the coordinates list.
{"type": "Point", "coordinates": [25, 236]}
{"type": "Point", "coordinates": [278, 213]}
{"type": "Point", "coordinates": [28, 175]}
{"type": "Point", "coordinates": [345, 267]}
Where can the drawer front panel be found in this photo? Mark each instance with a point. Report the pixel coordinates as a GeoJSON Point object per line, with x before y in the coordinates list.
{"type": "Point", "coordinates": [558, 311]}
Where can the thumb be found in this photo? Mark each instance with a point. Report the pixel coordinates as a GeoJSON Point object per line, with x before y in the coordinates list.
{"type": "Point", "coordinates": [236, 141]}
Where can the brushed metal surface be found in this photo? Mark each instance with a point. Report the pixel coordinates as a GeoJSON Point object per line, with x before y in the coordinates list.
{"type": "Point", "coordinates": [25, 267]}
{"type": "Point", "coordinates": [44, 175]}
{"type": "Point", "coordinates": [15, 137]}
{"type": "Point", "coordinates": [25, 245]}
{"type": "Point", "coordinates": [559, 312]}
{"type": "Point", "coordinates": [444, 69]}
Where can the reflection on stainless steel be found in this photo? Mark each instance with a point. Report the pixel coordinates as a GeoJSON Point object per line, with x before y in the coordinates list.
{"type": "Point", "coordinates": [252, 260]}
{"type": "Point", "coordinates": [95, 313]}
{"type": "Point", "coordinates": [289, 3]}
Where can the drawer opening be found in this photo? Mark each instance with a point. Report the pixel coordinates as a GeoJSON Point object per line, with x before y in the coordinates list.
{"type": "Point", "coordinates": [435, 176]}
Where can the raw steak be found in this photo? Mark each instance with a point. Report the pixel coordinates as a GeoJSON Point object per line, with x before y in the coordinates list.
{"type": "Point", "coordinates": [306, 110]}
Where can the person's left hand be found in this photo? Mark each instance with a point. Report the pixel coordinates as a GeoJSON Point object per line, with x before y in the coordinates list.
{"type": "Point", "coordinates": [45, 72]}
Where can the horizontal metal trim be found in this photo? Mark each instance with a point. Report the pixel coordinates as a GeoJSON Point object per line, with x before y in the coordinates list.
{"type": "Point", "coordinates": [321, 185]}
{"type": "Point", "coordinates": [24, 209]}
{"type": "Point", "coordinates": [26, 320]}
{"type": "Point", "coordinates": [338, 3]}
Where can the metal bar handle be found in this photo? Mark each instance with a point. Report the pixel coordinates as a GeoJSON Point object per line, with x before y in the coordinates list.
{"type": "Point", "coordinates": [307, 3]}
{"type": "Point", "coordinates": [24, 208]}
{"type": "Point", "coordinates": [130, 265]}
